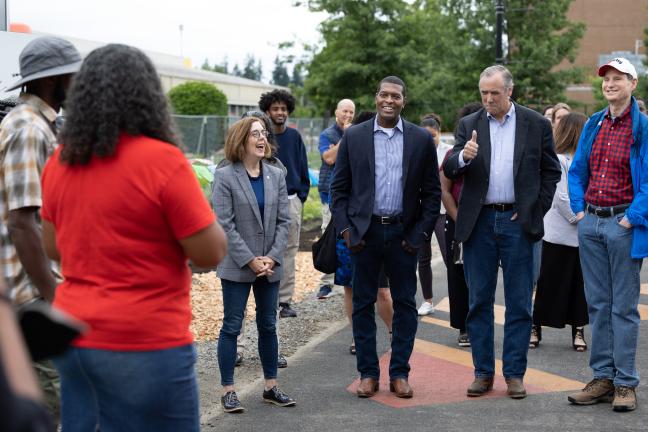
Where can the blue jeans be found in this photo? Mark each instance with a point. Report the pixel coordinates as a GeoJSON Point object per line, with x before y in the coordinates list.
{"type": "Point", "coordinates": [235, 297]}
{"type": "Point", "coordinates": [612, 289]}
{"type": "Point", "coordinates": [128, 390]}
{"type": "Point", "coordinates": [383, 247]}
{"type": "Point", "coordinates": [496, 238]}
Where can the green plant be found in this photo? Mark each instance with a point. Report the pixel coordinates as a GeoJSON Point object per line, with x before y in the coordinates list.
{"type": "Point", "coordinates": [198, 98]}
{"type": "Point", "coordinates": [312, 206]}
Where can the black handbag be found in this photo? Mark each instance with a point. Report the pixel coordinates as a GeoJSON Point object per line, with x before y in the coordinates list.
{"type": "Point", "coordinates": [324, 254]}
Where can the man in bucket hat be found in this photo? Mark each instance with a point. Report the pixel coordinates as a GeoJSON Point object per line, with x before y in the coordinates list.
{"type": "Point", "coordinates": [27, 138]}
{"type": "Point", "coordinates": [608, 191]}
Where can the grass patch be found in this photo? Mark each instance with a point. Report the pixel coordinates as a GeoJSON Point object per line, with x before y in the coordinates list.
{"type": "Point", "coordinates": [312, 206]}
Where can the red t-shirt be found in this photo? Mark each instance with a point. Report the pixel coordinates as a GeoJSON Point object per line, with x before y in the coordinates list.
{"type": "Point", "coordinates": [118, 221]}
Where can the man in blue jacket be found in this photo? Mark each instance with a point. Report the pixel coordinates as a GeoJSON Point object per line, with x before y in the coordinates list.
{"type": "Point", "coordinates": [608, 190]}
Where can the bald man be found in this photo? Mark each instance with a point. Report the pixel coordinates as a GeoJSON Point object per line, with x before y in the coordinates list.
{"type": "Point", "coordinates": [329, 143]}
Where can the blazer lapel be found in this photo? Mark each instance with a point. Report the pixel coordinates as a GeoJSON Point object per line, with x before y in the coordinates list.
{"type": "Point", "coordinates": [521, 128]}
{"type": "Point", "coordinates": [268, 190]}
{"type": "Point", "coordinates": [408, 148]}
{"type": "Point", "coordinates": [483, 140]}
{"type": "Point", "coordinates": [246, 187]}
{"type": "Point", "coordinates": [371, 151]}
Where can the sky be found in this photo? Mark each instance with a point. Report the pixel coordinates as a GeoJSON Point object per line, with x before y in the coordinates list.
{"type": "Point", "coordinates": [212, 29]}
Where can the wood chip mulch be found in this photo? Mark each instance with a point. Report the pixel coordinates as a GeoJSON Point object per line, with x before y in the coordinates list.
{"type": "Point", "coordinates": [207, 299]}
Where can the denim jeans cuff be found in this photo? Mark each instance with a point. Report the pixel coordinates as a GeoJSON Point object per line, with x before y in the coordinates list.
{"type": "Point", "coordinates": [483, 375]}
{"type": "Point", "coordinates": [513, 376]}
{"type": "Point", "coordinates": [377, 378]}
{"type": "Point", "coordinates": [392, 378]}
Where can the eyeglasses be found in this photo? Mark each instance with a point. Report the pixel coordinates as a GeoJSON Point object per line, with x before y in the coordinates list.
{"type": "Point", "coordinates": [259, 133]}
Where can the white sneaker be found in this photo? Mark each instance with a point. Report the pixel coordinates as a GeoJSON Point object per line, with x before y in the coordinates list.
{"type": "Point", "coordinates": [426, 309]}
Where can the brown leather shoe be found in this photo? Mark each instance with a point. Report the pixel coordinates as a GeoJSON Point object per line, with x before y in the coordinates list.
{"type": "Point", "coordinates": [401, 387]}
{"type": "Point", "coordinates": [515, 388]}
{"type": "Point", "coordinates": [367, 388]}
{"type": "Point", "coordinates": [480, 387]}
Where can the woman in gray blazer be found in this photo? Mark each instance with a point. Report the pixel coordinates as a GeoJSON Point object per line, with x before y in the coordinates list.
{"type": "Point", "coordinates": [251, 202]}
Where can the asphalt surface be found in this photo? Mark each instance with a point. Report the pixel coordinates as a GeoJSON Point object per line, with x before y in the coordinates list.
{"type": "Point", "coordinates": [321, 376]}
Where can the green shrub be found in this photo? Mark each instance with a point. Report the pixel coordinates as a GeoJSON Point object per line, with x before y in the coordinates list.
{"type": "Point", "coordinates": [198, 98]}
{"type": "Point", "coordinates": [312, 206]}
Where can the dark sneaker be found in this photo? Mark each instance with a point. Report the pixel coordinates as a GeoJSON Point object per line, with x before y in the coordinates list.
{"type": "Point", "coordinates": [325, 292]}
{"type": "Point", "coordinates": [463, 340]}
{"type": "Point", "coordinates": [282, 362]}
{"type": "Point", "coordinates": [277, 397]}
{"type": "Point", "coordinates": [286, 311]}
{"type": "Point", "coordinates": [625, 399]}
{"type": "Point", "coordinates": [231, 403]}
{"type": "Point", "coordinates": [239, 359]}
{"type": "Point", "coordinates": [597, 390]}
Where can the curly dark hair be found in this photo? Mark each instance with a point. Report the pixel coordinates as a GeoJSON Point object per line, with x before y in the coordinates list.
{"type": "Point", "coordinates": [269, 98]}
{"type": "Point", "coordinates": [117, 90]}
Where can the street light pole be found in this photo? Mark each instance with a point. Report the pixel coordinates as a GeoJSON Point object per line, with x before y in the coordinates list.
{"type": "Point", "coordinates": [181, 27]}
{"type": "Point", "coordinates": [499, 16]}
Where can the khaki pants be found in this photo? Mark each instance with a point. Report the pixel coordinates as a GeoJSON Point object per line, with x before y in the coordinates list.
{"type": "Point", "coordinates": [287, 284]}
{"type": "Point", "coordinates": [326, 279]}
{"type": "Point", "coordinates": [50, 383]}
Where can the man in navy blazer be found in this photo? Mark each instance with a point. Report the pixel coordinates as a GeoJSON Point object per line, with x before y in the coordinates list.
{"type": "Point", "coordinates": [385, 201]}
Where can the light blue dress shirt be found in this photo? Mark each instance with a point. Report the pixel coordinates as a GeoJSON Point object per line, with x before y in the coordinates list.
{"type": "Point", "coordinates": [502, 136]}
{"type": "Point", "coordinates": [501, 188]}
{"type": "Point", "coordinates": [388, 151]}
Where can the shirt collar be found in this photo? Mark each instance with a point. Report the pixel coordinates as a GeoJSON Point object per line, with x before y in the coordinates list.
{"type": "Point", "coordinates": [39, 104]}
{"type": "Point", "coordinates": [509, 114]}
{"type": "Point", "coordinates": [623, 116]}
{"type": "Point", "coordinates": [398, 126]}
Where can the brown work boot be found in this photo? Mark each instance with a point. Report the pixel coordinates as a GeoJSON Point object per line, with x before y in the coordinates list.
{"type": "Point", "coordinates": [367, 388]}
{"type": "Point", "coordinates": [515, 388]}
{"type": "Point", "coordinates": [625, 399]}
{"type": "Point", "coordinates": [401, 387]}
{"type": "Point", "coordinates": [597, 390]}
{"type": "Point", "coordinates": [480, 386]}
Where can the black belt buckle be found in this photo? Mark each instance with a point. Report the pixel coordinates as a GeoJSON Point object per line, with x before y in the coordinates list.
{"type": "Point", "coordinates": [386, 220]}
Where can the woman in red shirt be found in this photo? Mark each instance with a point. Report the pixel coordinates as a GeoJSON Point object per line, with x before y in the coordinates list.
{"type": "Point", "coordinates": [123, 211]}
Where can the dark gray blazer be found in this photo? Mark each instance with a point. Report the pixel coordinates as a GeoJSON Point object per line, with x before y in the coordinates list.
{"type": "Point", "coordinates": [536, 170]}
{"type": "Point", "coordinates": [238, 213]}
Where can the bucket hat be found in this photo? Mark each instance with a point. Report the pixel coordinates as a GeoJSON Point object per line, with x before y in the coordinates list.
{"type": "Point", "coordinates": [47, 56]}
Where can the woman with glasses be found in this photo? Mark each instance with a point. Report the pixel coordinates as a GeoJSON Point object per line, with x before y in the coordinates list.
{"type": "Point", "coordinates": [251, 201]}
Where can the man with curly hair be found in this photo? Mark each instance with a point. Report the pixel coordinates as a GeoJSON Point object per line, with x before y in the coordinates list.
{"type": "Point", "coordinates": [27, 138]}
{"type": "Point", "coordinates": [278, 105]}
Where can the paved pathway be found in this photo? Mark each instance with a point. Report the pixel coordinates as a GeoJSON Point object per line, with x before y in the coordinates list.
{"type": "Point", "coordinates": [323, 379]}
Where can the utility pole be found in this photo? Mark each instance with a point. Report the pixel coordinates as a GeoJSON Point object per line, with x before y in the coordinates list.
{"type": "Point", "coordinates": [499, 29]}
{"type": "Point", "coordinates": [4, 16]}
{"type": "Point", "coordinates": [181, 27]}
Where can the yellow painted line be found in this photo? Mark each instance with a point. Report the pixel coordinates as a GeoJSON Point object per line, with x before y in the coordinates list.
{"type": "Point", "coordinates": [499, 311]}
{"type": "Point", "coordinates": [532, 377]}
{"type": "Point", "coordinates": [644, 288]}
{"type": "Point", "coordinates": [436, 321]}
{"type": "Point", "coordinates": [643, 312]}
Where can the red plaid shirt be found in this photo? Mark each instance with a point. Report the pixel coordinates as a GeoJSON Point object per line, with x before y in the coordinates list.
{"type": "Point", "coordinates": [610, 181]}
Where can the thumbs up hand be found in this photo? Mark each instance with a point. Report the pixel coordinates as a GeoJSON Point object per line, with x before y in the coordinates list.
{"type": "Point", "coordinates": [471, 148]}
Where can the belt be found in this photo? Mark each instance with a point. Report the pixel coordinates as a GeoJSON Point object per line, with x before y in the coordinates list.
{"type": "Point", "coordinates": [387, 220]}
{"type": "Point", "coordinates": [606, 211]}
{"type": "Point", "coordinates": [500, 207]}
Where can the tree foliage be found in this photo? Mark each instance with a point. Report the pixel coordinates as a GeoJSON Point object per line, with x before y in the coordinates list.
{"type": "Point", "coordinates": [439, 47]}
{"type": "Point", "coordinates": [280, 73]}
{"type": "Point", "coordinates": [198, 98]}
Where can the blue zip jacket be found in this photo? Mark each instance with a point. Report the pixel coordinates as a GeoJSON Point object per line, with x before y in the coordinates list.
{"type": "Point", "coordinates": [579, 173]}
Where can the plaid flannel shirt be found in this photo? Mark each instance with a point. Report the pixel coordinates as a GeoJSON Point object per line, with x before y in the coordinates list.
{"type": "Point", "coordinates": [27, 139]}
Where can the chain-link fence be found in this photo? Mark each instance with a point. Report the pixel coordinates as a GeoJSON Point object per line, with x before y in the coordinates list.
{"type": "Point", "coordinates": [204, 136]}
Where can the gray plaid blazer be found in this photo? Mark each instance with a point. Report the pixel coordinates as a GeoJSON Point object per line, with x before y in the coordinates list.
{"type": "Point", "coordinates": [238, 213]}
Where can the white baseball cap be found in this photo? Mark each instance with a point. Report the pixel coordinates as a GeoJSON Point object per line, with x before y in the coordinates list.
{"type": "Point", "coordinates": [621, 64]}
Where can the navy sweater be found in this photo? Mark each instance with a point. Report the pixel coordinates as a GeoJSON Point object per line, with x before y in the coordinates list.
{"type": "Point", "coordinates": [292, 153]}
